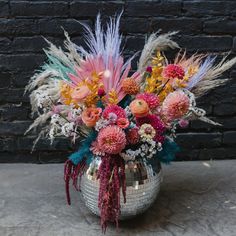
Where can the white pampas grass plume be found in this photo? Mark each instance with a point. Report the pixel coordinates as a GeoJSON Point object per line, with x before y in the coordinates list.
{"type": "Point", "coordinates": [153, 44]}
{"type": "Point", "coordinates": [41, 78]}
{"type": "Point", "coordinates": [39, 121]}
{"type": "Point", "coordinates": [73, 55]}
{"type": "Point", "coordinates": [56, 52]}
{"type": "Point", "coordinates": [210, 81]}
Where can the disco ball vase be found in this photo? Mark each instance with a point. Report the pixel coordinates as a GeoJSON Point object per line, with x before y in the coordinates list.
{"type": "Point", "coordinates": [142, 187]}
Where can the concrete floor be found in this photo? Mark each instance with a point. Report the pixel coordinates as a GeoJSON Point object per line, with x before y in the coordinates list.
{"type": "Point", "coordinates": [196, 198]}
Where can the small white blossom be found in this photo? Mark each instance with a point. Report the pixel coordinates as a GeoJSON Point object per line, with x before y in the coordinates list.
{"type": "Point", "coordinates": [101, 123]}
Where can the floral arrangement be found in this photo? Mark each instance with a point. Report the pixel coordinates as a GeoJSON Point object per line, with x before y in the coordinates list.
{"type": "Point", "coordinates": [91, 95]}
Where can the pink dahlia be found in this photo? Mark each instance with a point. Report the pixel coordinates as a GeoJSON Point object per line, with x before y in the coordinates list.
{"type": "Point", "coordinates": [115, 109]}
{"type": "Point", "coordinates": [173, 71]}
{"type": "Point", "coordinates": [111, 139]}
{"type": "Point", "coordinates": [156, 123]}
{"type": "Point", "coordinates": [175, 105]}
{"type": "Point", "coordinates": [96, 149]}
{"type": "Point", "coordinates": [150, 98]}
{"type": "Point", "coordinates": [133, 136]}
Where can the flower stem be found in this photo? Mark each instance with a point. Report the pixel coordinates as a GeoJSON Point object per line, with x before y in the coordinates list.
{"type": "Point", "coordinates": [163, 86]}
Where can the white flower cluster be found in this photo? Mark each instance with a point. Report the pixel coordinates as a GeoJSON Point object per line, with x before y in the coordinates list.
{"type": "Point", "coordinates": [59, 126]}
{"type": "Point", "coordinates": [42, 99]}
{"type": "Point", "coordinates": [128, 111]}
{"type": "Point", "coordinates": [148, 149]}
{"type": "Point", "coordinates": [68, 129]}
{"type": "Point", "coordinates": [101, 123]}
{"type": "Point", "coordinates": [75, 113]}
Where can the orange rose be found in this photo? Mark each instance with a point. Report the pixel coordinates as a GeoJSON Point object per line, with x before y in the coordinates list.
{"type": "Point", "coordinates": [80, 93]}
{"type": "Point", "coordinates": [139, 108]}
{"type": "Point", "coordinates": [122, 123]}
{"type": "Point", "coordinates": [91, 115]}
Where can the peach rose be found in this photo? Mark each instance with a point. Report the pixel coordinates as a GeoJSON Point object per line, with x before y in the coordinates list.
{"type": "Point", "coordinates": [139, 108]}
{"type": "Point", "coordinates": [90, 116]}
{"type": "Point", "coordinates": [122, 123]}
{"type": "Point", "coordinates": [80, 93]}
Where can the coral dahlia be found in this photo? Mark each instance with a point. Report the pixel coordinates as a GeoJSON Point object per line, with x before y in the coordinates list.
{"type": "Point", "coordinates": [175, 105]}
{"type": "Point", "coordinates": [115, 109]}
{"type": "Point", "coordinates": [150, 98]}
{"type": "Point", "coordinates": [130, 86]}
{"type": "Point", "coordinates": [111, 139]}
{"type": "Point", "coordinates": [173, 71]}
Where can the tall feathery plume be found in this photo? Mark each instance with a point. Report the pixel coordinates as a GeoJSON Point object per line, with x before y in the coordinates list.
{"type": "Point", "coordinates": [209, 81]}
{"type": "Point", "coordinates": [153, 44]}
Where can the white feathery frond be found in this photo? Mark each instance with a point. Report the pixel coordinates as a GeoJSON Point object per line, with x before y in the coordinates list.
{"type": "Point", "coordinates": [39, 121]}
{"type": "Point", "coordinates": [153, 44]}
{"type": "Point", "coordinates": [54, 51]}
{"type": "Point", "coordinates": [210, 81]}
{"type": "Point", "coordinates": [45, 95]}
{"type": "Point", "coordinates": [41, 78]}
{"type": "Point", "coordinates": [73, 55]}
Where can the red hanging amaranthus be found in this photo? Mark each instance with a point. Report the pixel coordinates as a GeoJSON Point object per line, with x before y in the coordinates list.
{"type": "Point", "coordinates": [72, 172]}
{"type": "Point", "coordinates": [112, 178]}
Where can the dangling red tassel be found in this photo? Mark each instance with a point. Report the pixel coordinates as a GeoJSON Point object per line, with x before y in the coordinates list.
{"type": "Point", "coordinates": [67, 175]}
{"type": "Point", "coordinates": [78, 172]}
{"type": "Point", "coordinates": [72, 171]}
{"type": "Point", "coordinates": [112, 178]}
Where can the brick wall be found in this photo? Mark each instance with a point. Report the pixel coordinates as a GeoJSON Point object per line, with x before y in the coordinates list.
{"type": "Point", "coordinates": [204, 26]}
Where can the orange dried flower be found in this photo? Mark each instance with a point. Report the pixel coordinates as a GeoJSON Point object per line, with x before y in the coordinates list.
{"type": "Point", "coordinates": [130, 86]}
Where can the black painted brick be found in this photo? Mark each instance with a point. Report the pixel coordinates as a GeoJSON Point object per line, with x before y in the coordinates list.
{"type": "Point", "coordinates": [152, 8]}
{"type": "Point", "coordinates": [182, 24]}
{"type": "Point", "coordinates": [220, 26]}
{"type": "Point", "coordinates": [39, 8]}
{"type": "Point", "coordinates": [13, 128]}
{"type": "Point", "coordinates": [199, 140]}
{"type": "Point", "coordinates": [229, 137]}
{"type": "Point", "coordinates": [4, 8]}
{"type": "Point", "coordinates": [205, 8]}
{"type": "Point", "coordinates": [206, 43]}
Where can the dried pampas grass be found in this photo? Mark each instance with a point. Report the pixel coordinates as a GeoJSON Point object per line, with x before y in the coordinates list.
{"type": "Point", "coordinates": [210, 81]}
{"type": "Point", "coordinates": [40, 78]}
{"type": "Point", "coordinates": [39, 121]}
{"type": "Point", "coordinates": [153, 44]}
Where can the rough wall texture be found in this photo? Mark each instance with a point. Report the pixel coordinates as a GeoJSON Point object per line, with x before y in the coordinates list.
{"type": "Point", "coordinates": [204, 26]}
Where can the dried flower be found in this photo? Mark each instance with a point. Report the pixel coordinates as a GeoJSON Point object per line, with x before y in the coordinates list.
{"type": "Point", "coordinates": [150, 98]}
{"type": "Point", "coordinates": [149, 69]}
{"type": "Point", "coordinates": [183, 123]}
{"type": "Point", "coordinates": [80, 93]}
{"type": "Point", "coordinates": [133, 136]}
{"type": "Point", "coordinates": [90, 116]}
{"type": "Point", "coordinates": [156, 123]}
{"type": "Point", "coordinates": [173, 71]}
{"type": "Point", "coordinates": [101, 92]}
{"type": "Point", "coordinates": [146, 131]}
{"type": "Point", "coordinates": [112, 117]}
{"type": "Point", "coordinates": [96, 149]}
{"type": "Point", "coordinates": [175, 105]}
{"type": "Point", "coordinates": [123, 123]}
{"type": "Point", "coordinates": [130, 86]}
{"type": "Point", "coordinates": [139, 108]}
{"type": "Point", "coordinates": [120, 112]}
{"type": "Point", "coordinates": [111, 139]}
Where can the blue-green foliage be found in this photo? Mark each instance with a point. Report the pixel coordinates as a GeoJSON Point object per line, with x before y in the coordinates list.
{"type": "Point", "coordinates": [84, 150]}
{"type": "Point", "coordinates": [56, 64]}
{"type": "Point", "coordinates": [125, 101]}
{"type": "Point", "coordinates": [167, 154]}
{"type": "Point", "coordinates": [100, 104]}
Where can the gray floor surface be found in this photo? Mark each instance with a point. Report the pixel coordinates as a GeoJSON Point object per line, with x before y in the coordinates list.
{"type": "Point", "coordinates": [196, 198]}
